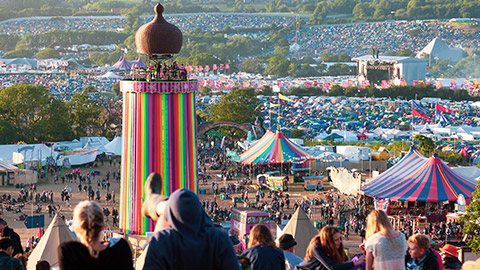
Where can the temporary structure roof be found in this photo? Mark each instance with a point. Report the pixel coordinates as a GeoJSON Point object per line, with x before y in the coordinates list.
{"type": "Point", "coordinates": [302, 229]}
{"type": "Point", "coordinates": [274, 147]}
{"type": "Point", "coordinates": [438, 49]}
{"type": "Point", "coordinates": [114, 147]}
{"type": "Point", "coordinates": [47, 249]}
{"type": "Point", "coordinates": [5, 166]}
{"type": "Point", "coordinates": [416, 178]}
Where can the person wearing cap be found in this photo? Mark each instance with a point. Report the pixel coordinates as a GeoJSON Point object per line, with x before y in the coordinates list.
{"type": "Point", "coordinates": [6, 231]}
{"type": "Point", "coordinates": [287, 243]}
{"type": "Point", "coordinates": [450, 257]}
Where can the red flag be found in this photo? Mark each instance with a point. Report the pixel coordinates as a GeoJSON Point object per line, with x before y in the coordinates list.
{"type": "Point", "coordinates": [440, 108]}
{"type": "Point", "coordinates": [416, 113]}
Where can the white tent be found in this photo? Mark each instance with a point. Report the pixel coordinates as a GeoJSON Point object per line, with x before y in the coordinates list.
{"type": "Point", "coordinates": [439, 50]}
{"type": "Point", "coordinates": [56, 233]}
{"type": "Point", "coordinates": [81, 156]}
{"type": "Point", "coordinates": [20, 153]}
{"type": "Point", "coordinates": [470, 171]}
{"type": "Point", "coordinates": [110, 75]}
{"type": "Point", "coordinates": [302, 229]}
{"type": "Point", "coordinates": [114, 147]}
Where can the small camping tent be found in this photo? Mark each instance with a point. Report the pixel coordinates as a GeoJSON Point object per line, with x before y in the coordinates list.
{"type": "Point", "coordinates": [47, 249]}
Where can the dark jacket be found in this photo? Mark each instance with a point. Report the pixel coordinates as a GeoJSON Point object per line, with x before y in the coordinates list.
{"type": "Point", "coordinates": [264, 257]}
{"type": "Point", "coordinates": [17, 244]}
{"type": "Point", "coordinates": [191, 242]}
{"type": "Point", "coordinates": [73, 255]}
{"type": "Point", "coordinates": [9, 263]}
{"type": "Point", "coordinates": [452, 263]}
{"type": "Point", "coordinates": [321, 261]}
{"type": "Point", "coordinates": [429, 263]}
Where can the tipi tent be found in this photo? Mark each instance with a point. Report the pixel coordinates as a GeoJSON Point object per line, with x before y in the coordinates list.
{"type": "Point", "coordinates": [439, 50]}
{"type": "Point", "coordinates": [57, 233]}
{"type": "Point", "coordinates": [302, 230]}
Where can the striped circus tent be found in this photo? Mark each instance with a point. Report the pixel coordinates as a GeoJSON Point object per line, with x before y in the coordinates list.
{"type": "Point", "coordinates": [416, 178]}
{"type": "Point", "coordinates": [122, 64]}
{"type": "Point", "coordinates": [137, 63]}
{"type": "Point", "coordinates": [274, 148]}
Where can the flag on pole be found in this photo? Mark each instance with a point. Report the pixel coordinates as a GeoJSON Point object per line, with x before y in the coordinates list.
{"type": "Point", "coordinates": [418, 107]}
{"type": "Point", "coordinates": [440, 118]}
{"type": "Point", "coordinates": [284, 98]}
{"type": "Point", "coordinates": [441, 108]}
{"type": "Point", "coordinates": [416, 113]}
{"type": "Point", "coordinates": [274, 105]}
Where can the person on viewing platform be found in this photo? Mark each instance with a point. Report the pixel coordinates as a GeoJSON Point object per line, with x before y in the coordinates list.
{"type": "Point", "coordinates": [386, 248]}
{"type": "Point", "coordinates": [262, 252]}
{"type": "Point", "coordinates": [91, 252]}
{"type": "Point", "coordinates": [287, 243]}
{"type": "Point", "coordinates": [420, 255]}
{"type": "Point", "coordinates": [326, 251]}
{"type": "Point", "coordinates": [185, 237]}
{"type": "Point", "coordinates": [6, 260]}
{"type": "Point", "coordinates": [450, 257]}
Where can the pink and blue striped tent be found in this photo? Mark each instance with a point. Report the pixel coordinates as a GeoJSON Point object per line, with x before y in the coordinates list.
{"type": "Point", "coordinates": [137, 63]}
{"type": "Point", "coordinates": [122, 64]}
{"type": "Point", "coordinates": [274, 148]}
{"type": "Point", "coordinates": [416, 178]}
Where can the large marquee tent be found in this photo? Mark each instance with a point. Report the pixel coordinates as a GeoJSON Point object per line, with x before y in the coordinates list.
{"type": "Point", "coordinates": [417, 178]}
{"type": "Point", "coordinates": [274, 148]}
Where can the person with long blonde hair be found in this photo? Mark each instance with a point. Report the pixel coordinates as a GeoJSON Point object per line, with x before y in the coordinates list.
{"type": "Point", "coordinates": [325, 251]}
{"type": "Point", "coordinates": [386, 248]}
{"type": "Point", "coordinates": [262, 252]}
{"type": "Point", "coordinates": [91, 252]}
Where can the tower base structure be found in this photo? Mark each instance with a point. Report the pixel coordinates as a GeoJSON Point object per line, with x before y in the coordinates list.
{"type": "Point", "coordinates": [159, 135]}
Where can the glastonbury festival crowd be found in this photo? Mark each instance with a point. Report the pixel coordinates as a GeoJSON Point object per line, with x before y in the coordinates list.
{"type": "Point", "coordinates": [342, 38]}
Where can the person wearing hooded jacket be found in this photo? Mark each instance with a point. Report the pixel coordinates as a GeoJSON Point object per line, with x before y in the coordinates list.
{"type": "Point", "coordinates": [6, 231]}
{"type": "Point", "coordinates": [185, 238]}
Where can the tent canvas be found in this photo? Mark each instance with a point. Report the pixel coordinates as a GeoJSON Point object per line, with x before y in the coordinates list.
{"type": "Point", "coordinates": [302, 229]}
{"type": "Point", "coordinates": [416, 178]}
{"type": "Point", "coordinates": [274, 148]}
{"type": "Point", "coordinates": [5, 166]}
{"type": "Point", "coordinates": [81, 156]}
{"type": "Point", "coordinates": [47, 249]}
{"type": "Point", "coordinates": [122, 64]}
{"type": "Point", "coordinates": [110, 75]}
{"type": "Point", "coordinates": [114, 147]}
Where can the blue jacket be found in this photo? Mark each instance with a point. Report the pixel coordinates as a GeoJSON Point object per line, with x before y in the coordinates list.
{"type": "Point", "coordinates": [264, 257]}
{"type": "Point", "coordinates": [9, 263]}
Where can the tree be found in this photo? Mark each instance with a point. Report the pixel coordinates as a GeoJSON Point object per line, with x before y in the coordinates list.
{"type": "Point", "coordinates": [277, 66]}
{"type": "Point", "coordinates": [472, 224]}
{"type": "Point", "coordinates": [426, 145]}
{"type": "Point", "coordinates": [251, 66]}
{"type": "Point", "coordinates": [48, 53]}
{"type": "Point", "coordinates": [25, 108]}
{"type": "Point", "coordinates": [85, 113]}
{"type": "Point", "coordinates": [237, 106]}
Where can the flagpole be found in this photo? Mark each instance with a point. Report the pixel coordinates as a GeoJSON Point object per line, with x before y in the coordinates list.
{"type": "Point", "coordinates": [279, 111]}
{"type": "Point", "coordinates": [411, 104]}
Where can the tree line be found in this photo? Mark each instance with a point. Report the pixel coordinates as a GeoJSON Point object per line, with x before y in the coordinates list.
{"type": "Point", "coordinates": [31, 114]}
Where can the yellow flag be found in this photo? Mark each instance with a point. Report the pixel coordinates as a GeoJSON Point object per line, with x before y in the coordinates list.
{"type": "Point", "coordinates": [280, 96]}
{"type": "Point", "coordinates": [274, 105]}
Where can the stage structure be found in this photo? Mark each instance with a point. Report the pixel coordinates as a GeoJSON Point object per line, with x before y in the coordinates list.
{"type": "Point", "coordinates": [159, 123]}
{"type": "Point", "coordinates": [395, 70]}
